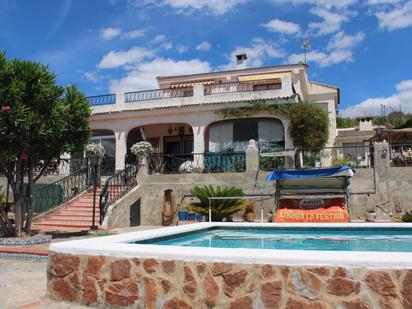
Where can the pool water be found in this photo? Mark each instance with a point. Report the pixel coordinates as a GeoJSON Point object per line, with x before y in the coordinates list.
{"type": "Point", "coordinates": [330, 239]}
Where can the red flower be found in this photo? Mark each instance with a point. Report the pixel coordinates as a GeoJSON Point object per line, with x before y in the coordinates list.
{"type": "Point", "coordinates": [24, 156]}
{"type": "Point", "coordinates": [5, 108]}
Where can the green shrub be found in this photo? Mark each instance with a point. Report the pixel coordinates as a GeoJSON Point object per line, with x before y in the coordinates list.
{"type": "Point", "coordinates": [407, 217]}
{"type": "Point", "coordinates": [271, 163]}
{"type": "Point", "coordinates": [220, 208]}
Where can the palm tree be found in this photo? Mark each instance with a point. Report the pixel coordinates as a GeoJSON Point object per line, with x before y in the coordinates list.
{"type": "Point", "coordinates": [221, 208]}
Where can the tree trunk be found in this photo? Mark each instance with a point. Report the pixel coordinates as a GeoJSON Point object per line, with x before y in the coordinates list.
{"type": "Point", "coordinates": [18, 203]}
{"type": "Point", "coordinates": [18, 214]}
{"type": "Point", "coordinates": [30, 199]}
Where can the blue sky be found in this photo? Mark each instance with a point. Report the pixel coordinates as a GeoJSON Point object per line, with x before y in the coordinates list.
{"type": "Point", "coordinates": [104, 46]}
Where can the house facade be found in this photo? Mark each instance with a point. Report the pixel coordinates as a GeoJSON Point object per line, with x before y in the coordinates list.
{"type": "Point", "coordinates": [183, 117]}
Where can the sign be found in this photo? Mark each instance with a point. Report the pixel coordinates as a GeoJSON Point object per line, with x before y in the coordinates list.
{"type": "Point", "coordinates": [329, 215]}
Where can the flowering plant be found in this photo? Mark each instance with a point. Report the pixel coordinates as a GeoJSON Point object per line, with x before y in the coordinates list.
{"type": "Point", "coordinates": [95, 150]}
{"type": "Point", "coordinates": [142, 149]}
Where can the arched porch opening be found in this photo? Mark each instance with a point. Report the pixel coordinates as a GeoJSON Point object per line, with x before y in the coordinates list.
{"type": "Point", "coordinates": [234, 134]}
{"type": "Point", "coordinates": [107, 139]}
{"type": "Point", "coordinates": [172, 143]}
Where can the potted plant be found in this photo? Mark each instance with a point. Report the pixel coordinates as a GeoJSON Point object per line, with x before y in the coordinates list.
{"type": "Point", "coordinates": [96, 153]}
{"type": "Point", "coordinates": [220, 208]}
{"type": "Point", "coordinates": [142, 150]}
{"type": "Point", "coordinates": [249, 214]}
{"type": "Point", "coordinates": [371, 215]}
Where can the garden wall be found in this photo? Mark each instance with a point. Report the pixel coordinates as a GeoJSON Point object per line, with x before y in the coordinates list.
{"type": "Point", "coordinates": [154, 283]}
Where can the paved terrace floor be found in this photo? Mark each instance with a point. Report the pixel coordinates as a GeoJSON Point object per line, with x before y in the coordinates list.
{"type": "Point", "coordinates": [23, 282]}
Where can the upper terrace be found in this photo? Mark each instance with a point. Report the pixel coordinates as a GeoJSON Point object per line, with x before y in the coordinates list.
{"type": "Point", "coordinates": [284, 83]}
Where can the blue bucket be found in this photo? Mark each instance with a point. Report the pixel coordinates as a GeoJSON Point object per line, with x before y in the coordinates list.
{"type": "Point", "coordinates": [182, 215]}
{"type": "Point", "coordinates": [191, 216]}
{"type": "Point", "coordinates": [199, 217]}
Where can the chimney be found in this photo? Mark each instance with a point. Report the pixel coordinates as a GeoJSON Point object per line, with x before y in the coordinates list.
{"type": "Point", "coordinates": [241, 61]}
{"type": "Point", "coordinates": [365, 124]}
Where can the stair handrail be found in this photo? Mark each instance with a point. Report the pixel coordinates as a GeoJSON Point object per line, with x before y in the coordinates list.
{"type": "Point", "coordinates": [116, 187]}
{"type": "Point", "coordinates": [61, 191]}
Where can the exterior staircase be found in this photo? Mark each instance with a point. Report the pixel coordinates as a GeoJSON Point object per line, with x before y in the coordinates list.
{"type": "Point", "coordinates": [75, 216]}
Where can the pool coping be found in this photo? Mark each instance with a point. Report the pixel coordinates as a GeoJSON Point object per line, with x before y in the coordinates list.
{"type": "Point", "coordinates": [118, 246]}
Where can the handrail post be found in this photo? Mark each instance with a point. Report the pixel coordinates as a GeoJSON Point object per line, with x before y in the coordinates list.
{"type": "Point", "coordinates": [94, 227]}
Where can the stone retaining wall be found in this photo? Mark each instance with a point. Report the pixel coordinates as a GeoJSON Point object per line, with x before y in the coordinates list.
{"type": "Point", "coordinates": [152, 283]}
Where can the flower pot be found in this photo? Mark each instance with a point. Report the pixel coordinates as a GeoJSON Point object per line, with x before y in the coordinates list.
{"type": "Point", "coordinates": [371, 216]}
{"type": "Point", "coordinates": [96, 160]}
{"type": "Point", "coordinates": [199, 217]}
{"type": "Point", "coordinates": [191, 216]}
{"type": "Point", "coordinates": [182, 215]}
{"type": "Point", "coordinates": [250, 217]}
{"type": "Point", "coordinates": [141, 160]}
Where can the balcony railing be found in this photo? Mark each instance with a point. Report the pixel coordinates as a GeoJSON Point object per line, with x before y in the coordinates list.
{"type": "Point", "coordinates": [209, 162]}
{"type": "Point", "coordinates": [356, 156]}
{"type": "Point", "coordinates": [179, 92]}
{"type": "Point", "coordinates": [157, 94]}
{"type": "Point", "coordinates": [242, 86]}
{"type": "Point", "coordinates": [102, 99]}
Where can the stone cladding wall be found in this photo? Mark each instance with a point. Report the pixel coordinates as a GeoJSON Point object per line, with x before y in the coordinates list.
{"type": "Point", "coordinates": [152, 283]}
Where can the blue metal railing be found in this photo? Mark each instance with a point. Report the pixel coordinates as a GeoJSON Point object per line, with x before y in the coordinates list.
{"type": "Point", "coordinates": [157, 94]}
{"type": "Point", "coordinates": [209, 162]}
{"type": "Point", "coordinates": [102, 99]}
{"type": "Point", "coordinates": [51, 195]}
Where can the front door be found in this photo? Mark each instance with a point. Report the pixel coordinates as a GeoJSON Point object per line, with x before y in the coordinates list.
{"type": "Point", "coordinates": [177, 150]}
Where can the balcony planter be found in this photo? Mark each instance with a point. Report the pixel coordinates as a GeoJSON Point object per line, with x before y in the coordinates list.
{"type": "Point", "coordinates": [142, 150]}
{"type": "Point", "coordinates": [96, 153]}
{"type": "Point", "coordinates": [96, 160]}
{"type": "Point", "coordinates": [182, 215]}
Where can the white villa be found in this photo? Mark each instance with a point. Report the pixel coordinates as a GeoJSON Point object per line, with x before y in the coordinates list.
{"type": "Point", "coordinates": [182, 118]}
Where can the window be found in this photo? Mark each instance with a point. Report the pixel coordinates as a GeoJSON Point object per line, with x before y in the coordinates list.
{"type": "Point", "coordinates": [260, 87]}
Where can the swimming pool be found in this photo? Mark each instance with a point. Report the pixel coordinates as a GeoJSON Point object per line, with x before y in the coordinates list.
{"type": "Point", "coordinates": [388, 239]}
{"type": "Point", "coordinates": [226, 265]}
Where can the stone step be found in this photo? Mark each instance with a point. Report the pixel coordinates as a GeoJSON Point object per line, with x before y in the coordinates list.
{"type": "Point", "coordinates": [74, 215]}
{"type": "Point", "coordinates": [64, 224]}
{"type": "Point", "coordinates": [59, 229]}
{"type": "Point", "coordinates": [65, 219]}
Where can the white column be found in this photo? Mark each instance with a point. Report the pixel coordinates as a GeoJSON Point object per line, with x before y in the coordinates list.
{"type": "Point", "coordinates": [198, 146]}
{"type": "Point", "coordinates": [121, 150]}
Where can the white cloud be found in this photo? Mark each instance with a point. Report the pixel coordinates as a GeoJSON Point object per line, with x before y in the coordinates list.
{"type": "Point", "coordinates": [379, 2]}
{"type": "Point", "coordinates": [133, 34]}
{"type": "Point", "coordinates": [331, 23]}
{"type": "Point", "coordinates": [329, 4]}
{"type": "Point", "coordinates": [181, 49]}
{"type": "Point", "coordinates": [110, 33]}
{"type": "Point", "coordinates": [167, 45]}
{"type": "Point", "coordinates": [339, 49]}
{"type": "Point", "coordinates": [256, 53]}
{"type": "Point", "coordinates": [322, 58]}
{"type": "Point", "coordinates": [372, 106]}
{"type": "Point", "coordinates": [91, 76]}
{"type": "Point", "coordinates": [159, 38]}
{"type": "Point", "coordinates": [216, 7]}
{"type": "Point", "coordinates": [281, 26]}
{"type": "Point", "coordinates": [204, 46]}
{"type": "Point", "coordinates": [143, 75]}
{"type": "Point", "coordinates": [116, 59]}
{"type": "Point", "coordinates": [395, 17]}
{"type": "Point", "coordinates": [341, 40]}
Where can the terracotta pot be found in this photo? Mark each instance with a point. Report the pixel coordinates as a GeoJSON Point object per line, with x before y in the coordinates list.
{"type": "Point", "coordinates": [96, 160]}
{"type": "Point", "coordinates": [371, 216]}
{"type": "Point", "coordinates": [250, 217]}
